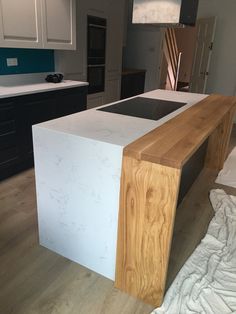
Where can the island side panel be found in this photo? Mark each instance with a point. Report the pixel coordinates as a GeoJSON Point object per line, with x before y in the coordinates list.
{"type": "Point", "coordinates": [78, 183]}
{"type": "Point", "coordinates": [218, 144]}
{"type": "Point", "coordinates": [148, 200]}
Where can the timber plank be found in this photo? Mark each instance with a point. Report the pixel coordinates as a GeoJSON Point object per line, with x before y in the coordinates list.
{"type": "Point", "coordinates": [174, 142]}
{"type": "Point", "coordinates": [148, 201]}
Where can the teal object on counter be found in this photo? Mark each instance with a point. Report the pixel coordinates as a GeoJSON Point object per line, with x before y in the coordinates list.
{"type": "Point", "coordinates": [29, 61]}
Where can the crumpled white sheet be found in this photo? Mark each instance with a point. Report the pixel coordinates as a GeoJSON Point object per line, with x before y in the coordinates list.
{"type": "Point", "coordinates": [207, 281]}
{"type": "Point", "coordinates": [227, 175]}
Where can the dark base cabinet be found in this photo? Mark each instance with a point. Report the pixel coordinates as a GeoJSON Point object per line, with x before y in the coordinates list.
{"type": "Point", "coordinates": [132, 83]}
{"type": "Point", "coordinates": [18, 114]}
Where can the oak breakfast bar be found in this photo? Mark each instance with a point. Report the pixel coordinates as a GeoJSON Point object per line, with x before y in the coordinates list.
{"type": "Point", "coordinates": [108, 184]}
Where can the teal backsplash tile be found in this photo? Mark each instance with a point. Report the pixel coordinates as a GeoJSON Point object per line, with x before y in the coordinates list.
{"type": "Point", "coordinates": [29, 61]}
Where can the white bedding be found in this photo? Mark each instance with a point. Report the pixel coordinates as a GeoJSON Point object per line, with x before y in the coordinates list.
{"type": "Point", "coordinates": [207, 281]}
{"type": "Point", "coordinates": [227, 175]}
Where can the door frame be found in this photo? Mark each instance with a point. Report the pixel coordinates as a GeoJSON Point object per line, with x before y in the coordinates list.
{"type": "Point", "coordinates": [206, 72]}
{"type": "Point", "coordinates": [161, 56]}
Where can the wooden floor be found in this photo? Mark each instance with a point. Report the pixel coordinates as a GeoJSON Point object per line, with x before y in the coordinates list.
{"type": "Point", "coordinates": [35, 280]}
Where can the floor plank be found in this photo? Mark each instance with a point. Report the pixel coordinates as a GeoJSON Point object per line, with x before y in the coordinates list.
{"type": "Point", "coordinates": [35, 280]}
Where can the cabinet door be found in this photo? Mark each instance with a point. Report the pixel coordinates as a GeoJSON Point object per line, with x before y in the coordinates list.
{"type": "Point", "coordinates": [132, 84]}
{"type": "Point", "coordinates": [35, 108]}
{"type": "Point", "coordinates": [112, 90]}
{"type": "Point", "coordinates": [95, 100]}
{"type": "Point", "coordinates": [70, 101]}
{"type": "Point", "coordinates": [21, 24]}
{"type": "Point", "coordinates": [59, 27]}
{"type": "Point", "coordinates": [115, 26]}
{"type": "Point", "coordinates": [8, 134]}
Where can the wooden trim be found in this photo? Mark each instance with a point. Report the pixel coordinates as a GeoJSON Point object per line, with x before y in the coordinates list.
{"type": "Point", "coordinates": [147, 211]}
{"type": "Point", "coordinates": [178, 70]}
{"type": "Point", "coordinates": [219, 141]}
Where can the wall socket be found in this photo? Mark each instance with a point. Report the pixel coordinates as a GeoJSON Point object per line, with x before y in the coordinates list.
{"type": "Point", "coordinates": [12, 62]}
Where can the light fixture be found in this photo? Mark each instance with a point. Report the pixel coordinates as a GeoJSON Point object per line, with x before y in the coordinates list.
{"type": "Point", "coordinates": [165, 12]}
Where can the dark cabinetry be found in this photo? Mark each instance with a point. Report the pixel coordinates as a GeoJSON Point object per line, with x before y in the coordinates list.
{"type": "Point", "coordinates": [9, 136]}
{"type": "Point", "coordinates": [132, 83]}
{"type": "Point", "coordinates": [18, 114]}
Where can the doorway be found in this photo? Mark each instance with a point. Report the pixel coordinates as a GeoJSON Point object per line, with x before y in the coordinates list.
{"type": "Point", "coordinates": [194, 50]}
{"type": "Point", "coordinates": [185, 39]}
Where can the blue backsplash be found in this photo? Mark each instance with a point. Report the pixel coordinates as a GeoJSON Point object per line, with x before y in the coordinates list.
{"type": "Point", "coordinates": [29, 61]}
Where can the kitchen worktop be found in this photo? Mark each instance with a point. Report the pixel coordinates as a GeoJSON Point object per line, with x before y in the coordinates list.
{"type": "Point", "coordinates": [156, 169]}
{"type": "Point", "coordinates": [108, 184]}
{"type": "Point", "coordinates": [115, 128]}
{"type": "Point", "coordinates": [78, 162]}
{"type": "Point", "coordinates": [182, 134]}
{"type": "Point", "coordinates": [18, 85]}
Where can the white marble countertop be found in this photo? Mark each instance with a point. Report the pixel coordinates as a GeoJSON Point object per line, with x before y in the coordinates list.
{"type": "Point", "coordinates": [115, 128]}
{"type": "Point", "coordinates": [17, 85]}
{"type": "Point", "coordinates": [11, 91]}
{"type": "Point", "coordinates": [78, 162]}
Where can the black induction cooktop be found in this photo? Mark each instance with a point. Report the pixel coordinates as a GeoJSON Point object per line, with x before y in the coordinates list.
{"type": "Point", "coordinates": [147, 108]}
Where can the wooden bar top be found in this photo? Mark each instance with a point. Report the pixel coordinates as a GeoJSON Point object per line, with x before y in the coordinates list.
{"type": "Point", "coordinates": [174, 142]}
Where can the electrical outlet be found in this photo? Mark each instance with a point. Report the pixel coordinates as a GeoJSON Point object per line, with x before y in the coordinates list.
{"type": "Point", "coordinates": [12, 62]}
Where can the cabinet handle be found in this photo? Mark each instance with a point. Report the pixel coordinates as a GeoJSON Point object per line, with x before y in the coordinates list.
{"type": "Point", "coordinates": [98, 26]}
{"type": "Point", "coordinates": [96, 65]}
{"type": "Point", "coordinates": [204, 73]}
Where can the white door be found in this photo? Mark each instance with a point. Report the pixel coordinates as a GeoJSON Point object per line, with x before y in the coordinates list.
{"type": "Point", "coordinates": [95, 100]}
{"type": "Point", "coordinates": [112, 88]}
{"type": "Point", "coordinates": [204, 45]}
{"type": "Point", "coordinates": [59, 24]}
{"type": "Point", "coordinates": [115, 32]}
{"type": "Point", "coordinates": [20, 24]}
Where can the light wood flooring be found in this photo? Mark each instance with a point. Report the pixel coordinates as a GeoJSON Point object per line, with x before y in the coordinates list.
{"type": "Point", "coordinates": [36, 280]}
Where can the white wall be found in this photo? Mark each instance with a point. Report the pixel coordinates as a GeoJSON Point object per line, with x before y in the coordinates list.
{"type": "Point", "coordinates": [222, 78]}
{"type": "Point", "coordinates": [142, 50]}
{"type": "Point", "coordinates": [74, 63]}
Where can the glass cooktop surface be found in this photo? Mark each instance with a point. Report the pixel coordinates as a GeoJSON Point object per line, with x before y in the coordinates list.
{"type": "Point", "coordinates": [141, 107]}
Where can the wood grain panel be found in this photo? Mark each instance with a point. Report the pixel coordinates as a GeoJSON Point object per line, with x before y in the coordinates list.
{"type": "Point", "coordinates": [147, 211]}
{"type": "Point", "coordinates": [173, 143]}
{"type": "Point", "coordinates": [219, 141]}
{"type": "Point", "coordinates": [151, 172]}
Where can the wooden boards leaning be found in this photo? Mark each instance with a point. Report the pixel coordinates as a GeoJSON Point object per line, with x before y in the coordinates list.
{"type": "Point", "coordinates": [150, 180]}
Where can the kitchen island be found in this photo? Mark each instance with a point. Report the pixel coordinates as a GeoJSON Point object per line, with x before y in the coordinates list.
{"type": "Point", "coordinates": [78, 165]}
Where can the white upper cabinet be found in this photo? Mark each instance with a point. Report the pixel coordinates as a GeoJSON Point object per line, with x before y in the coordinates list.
{"type": "Point", "coordinates": [59, 24]}
{"type": "Point", "coordinates": [20, 23]}
{"type": "Point", "coordinates": [49, 24]}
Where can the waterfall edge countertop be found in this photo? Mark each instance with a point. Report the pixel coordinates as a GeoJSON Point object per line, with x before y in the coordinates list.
{"type": "Point", "coordinates": [24, 89]}
{"type": "Point", "coordinates": [79, 175]}
{"type": "Point", "coordinates": [78, 162]}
